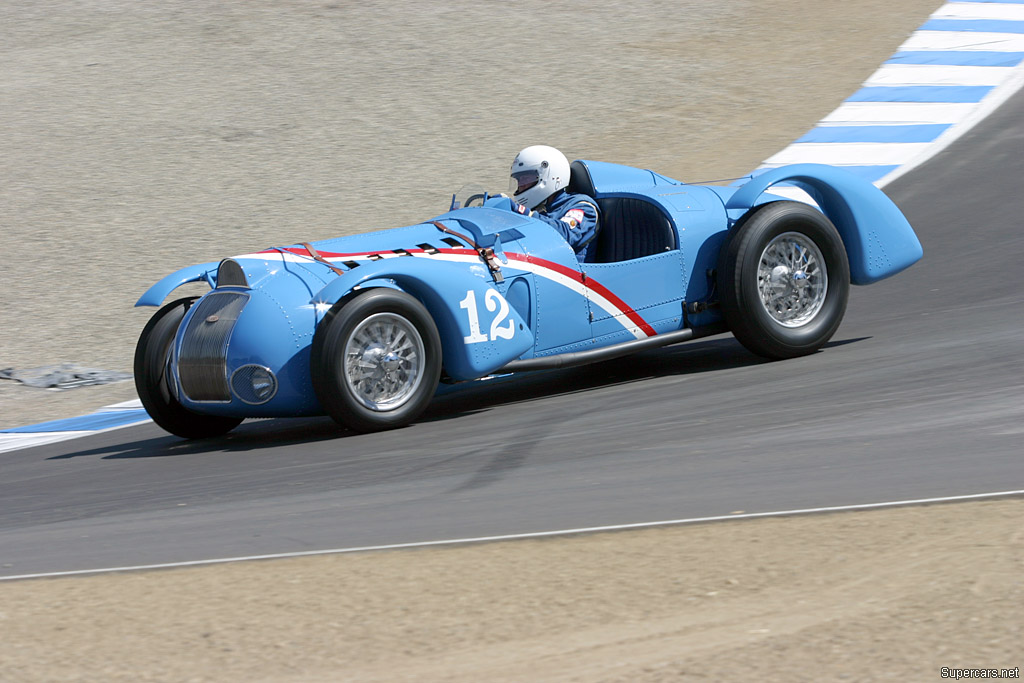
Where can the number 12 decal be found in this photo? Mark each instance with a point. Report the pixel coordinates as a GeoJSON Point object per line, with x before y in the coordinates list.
{"type": "Point", "coordinates": [492, 300]}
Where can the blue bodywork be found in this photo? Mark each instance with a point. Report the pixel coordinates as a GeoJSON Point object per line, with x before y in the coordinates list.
{"type": "Point", "coordinates": [661, 240]}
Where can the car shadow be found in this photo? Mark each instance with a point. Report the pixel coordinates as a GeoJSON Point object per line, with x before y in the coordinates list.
{"type": "Point", "coordinates": [692, 358]}
{"type": "Point", "coordinates": [453, 402]}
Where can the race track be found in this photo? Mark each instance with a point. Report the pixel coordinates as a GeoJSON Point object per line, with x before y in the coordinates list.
{"type": "Point", "coordinates": [919, 395]}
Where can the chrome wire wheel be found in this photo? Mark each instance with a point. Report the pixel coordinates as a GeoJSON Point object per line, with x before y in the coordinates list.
{"type": "Point", "coordinates": [384, 361]}
{"type": "Point", "coordinates": [792, 279]}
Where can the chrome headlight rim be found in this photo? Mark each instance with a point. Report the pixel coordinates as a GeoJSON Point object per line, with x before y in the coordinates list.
{"type": "Point", "coordinates": [249, 384]}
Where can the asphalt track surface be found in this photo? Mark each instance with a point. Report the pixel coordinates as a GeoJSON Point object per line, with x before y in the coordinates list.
{"type": "Point", "coordinates": [920, 394]}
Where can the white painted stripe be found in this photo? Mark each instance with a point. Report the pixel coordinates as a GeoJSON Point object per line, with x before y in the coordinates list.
{"type": "Point", "coordinates": [794, 193]}
{"type": "Point", "coordinates": [933, 74]}
{"type": "Point", "coordinates": [135, 404]}
{"type": "Point", "coordinates": [17, 441]}
{"type": "Point", "coordinates": [848, 153]}
{"type": "Point", "coordinates": [980, 10]}
{"type": "Point", "coordinates": [853, 113]}
{"type": "Point", "coordinates": [964, 40]}
{"type": "Point", "coordinates": [524, 536]}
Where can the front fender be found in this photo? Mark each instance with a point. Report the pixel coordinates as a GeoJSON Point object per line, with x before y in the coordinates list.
{"type": "Point", "coordinates": [156, 294]}
{"type": "Point", "coordinates": [480, 332]}
{"type": "Point", "coordinates": [879, 240]}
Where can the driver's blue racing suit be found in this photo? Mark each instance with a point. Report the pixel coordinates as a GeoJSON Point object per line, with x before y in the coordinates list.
{"type": "Point", "coordinates": [574, 216]}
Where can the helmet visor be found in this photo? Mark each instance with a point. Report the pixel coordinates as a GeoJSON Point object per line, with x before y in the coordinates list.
{"type": "Point", "coordinates": [522, 181]}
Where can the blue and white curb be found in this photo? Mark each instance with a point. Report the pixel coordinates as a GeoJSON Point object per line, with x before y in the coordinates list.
{"type": "Point", "coordinates": [105, 419]}
{"type": "Point", "coordinates": [958, 67]}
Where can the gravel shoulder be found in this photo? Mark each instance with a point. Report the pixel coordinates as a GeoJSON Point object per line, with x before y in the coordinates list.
{"type": "Point", "coordinates": [144, 138]}
{"type": "Point", "coordinates": [864, 596]}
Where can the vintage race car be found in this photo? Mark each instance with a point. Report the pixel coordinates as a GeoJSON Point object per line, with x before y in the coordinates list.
{"type": "Point", "coordinates": [363, 328]}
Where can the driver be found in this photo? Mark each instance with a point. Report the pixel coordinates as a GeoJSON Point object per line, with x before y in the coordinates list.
{"type": "Point", "coordinates": [540, 175]}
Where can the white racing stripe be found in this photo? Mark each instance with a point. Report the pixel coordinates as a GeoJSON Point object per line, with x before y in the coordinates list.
{"type": "Point", "coordinates": [471, 258]}
{"type": "Point", "coordinates": [537, 534]}
{"type": "Point", "coordinates": [581, 289]}
{"type": "Point", "coordinates": [558, 278]}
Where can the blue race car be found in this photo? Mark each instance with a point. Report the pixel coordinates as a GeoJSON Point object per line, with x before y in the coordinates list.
{"type": "Point", "coordinates": [363, 328]}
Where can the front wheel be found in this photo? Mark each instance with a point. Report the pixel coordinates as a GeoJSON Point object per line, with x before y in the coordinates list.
{"type": "Point", "coordinates": [376, 360]}
{"type": "Point", "coordinates": [153, 383]}
{"type": "Point", "coordinates": [784, 279]}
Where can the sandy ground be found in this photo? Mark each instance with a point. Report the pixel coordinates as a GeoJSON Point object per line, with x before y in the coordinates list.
{"type": "Point", "coordinates": [868, 596]}
{"type": "Point", "coordinates": [141, 137]}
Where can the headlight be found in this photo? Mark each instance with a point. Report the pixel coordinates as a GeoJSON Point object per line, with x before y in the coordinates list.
{"type": "Point", "coordinates": [253, 384]}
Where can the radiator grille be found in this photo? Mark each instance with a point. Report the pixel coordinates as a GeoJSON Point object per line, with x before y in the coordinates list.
{"type": "Point", "coordinates": [202, 361]}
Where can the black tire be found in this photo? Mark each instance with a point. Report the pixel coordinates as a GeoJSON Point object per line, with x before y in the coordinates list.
{"type": "Point", "coordinates": [398, 381]}
{"type": "Point", "coordinates": [151, 356]}
{"type": "Point", "coordinates": [810, 303]}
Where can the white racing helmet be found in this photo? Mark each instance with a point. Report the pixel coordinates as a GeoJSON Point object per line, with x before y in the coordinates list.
{"type": "Point", "coordinates": [537, 173]}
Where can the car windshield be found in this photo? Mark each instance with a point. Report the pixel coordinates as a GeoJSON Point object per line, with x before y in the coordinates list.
{"type": "Point", "coordinates": [469, 195]}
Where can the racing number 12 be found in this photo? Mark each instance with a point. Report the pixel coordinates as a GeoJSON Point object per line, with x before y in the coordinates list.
{"type": "Point", "coordinates": [492, 300]}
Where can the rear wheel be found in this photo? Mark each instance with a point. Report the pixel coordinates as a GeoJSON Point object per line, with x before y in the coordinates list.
{"type": "Point", "coordinates": [784, 279]}
{"type": "Point", "coordinates": [153, 380]}
{"type": "Point", "coordinates": [376, 361]}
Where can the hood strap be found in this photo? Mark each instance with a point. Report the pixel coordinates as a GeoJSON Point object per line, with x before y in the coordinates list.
{"type": "Point", "coordinates": [317, 257]}
{"type": "Point", "coordinates": [486, 253]}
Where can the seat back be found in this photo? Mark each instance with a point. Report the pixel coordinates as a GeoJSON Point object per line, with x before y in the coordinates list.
{"type": "Point", "coordinates": [579, 180]}
{"type": "Point", "coordinates": [631, 228]}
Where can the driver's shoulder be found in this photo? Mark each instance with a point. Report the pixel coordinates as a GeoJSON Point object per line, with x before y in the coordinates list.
{"type": "Point", "coordinates": [573, 200]}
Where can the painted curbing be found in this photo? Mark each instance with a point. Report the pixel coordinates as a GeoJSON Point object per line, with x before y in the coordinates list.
{"type": "Point", "coordinates": [961, 64]}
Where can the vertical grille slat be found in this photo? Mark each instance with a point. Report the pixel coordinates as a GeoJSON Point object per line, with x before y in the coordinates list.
{"type": "Point", "coordinates": [202, 360]}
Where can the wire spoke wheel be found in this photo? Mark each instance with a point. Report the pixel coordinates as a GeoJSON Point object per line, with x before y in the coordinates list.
{"type": "Point", "coordinates": [785, 280]}
{"type": "Point", "coordinates": [384, 361]}
{"type": "Point", "coordinates": [792, 279]}
{"type": "Point", "coordinates": [376, 360]}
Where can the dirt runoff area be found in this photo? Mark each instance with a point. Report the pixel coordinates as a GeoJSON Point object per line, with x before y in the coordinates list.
{"type": "Point", "coordinates": [140, 138]}
{"type": "Point", "coordinates": [891, 595]}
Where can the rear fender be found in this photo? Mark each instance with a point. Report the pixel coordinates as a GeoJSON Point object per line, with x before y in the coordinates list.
{"type": "Point", "coordinates": [480, 332]}
{"type": "Point", "coordinates": [156, 294]}
{"type": "Point", "coordinates": [879, 240]}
